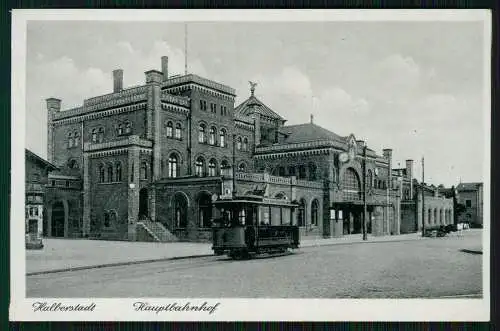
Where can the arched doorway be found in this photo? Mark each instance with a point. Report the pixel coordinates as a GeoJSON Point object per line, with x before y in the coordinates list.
{"type": "Point", "coordinates": [58, 219]}
{"type": "Point", "coordinates": [143, 203]}
{"type": "Point", "coordinates": [180, 211]}
{"type": "Point", "coordinates": [204, 210]}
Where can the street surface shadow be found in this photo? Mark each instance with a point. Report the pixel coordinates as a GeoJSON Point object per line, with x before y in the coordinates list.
{"type": "Point", "coordinates": [261, 257]}
{"type": "Point", "coordinates": [471, 251]}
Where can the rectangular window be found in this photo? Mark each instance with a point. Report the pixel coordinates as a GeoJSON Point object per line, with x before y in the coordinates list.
{"type": "Point", "coordinates": [468, 203]}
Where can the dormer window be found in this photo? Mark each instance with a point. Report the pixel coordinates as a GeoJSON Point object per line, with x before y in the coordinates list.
{"type": "Point", "coordinates": [120, 129]}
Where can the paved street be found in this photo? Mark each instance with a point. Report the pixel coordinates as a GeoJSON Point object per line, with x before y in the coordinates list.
{"type": "Point", "coordinates": [437, 267]}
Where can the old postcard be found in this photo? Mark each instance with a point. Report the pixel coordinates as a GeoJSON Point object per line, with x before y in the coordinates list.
{"type": "Point", "coordinates": [250, 165]}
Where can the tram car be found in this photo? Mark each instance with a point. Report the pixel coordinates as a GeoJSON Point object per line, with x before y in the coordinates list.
{"type": "Point", "coordinates": [251, 225]}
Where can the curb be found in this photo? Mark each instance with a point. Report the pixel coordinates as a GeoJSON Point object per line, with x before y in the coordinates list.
{"type": "Point", "coordinates": [116, 264]}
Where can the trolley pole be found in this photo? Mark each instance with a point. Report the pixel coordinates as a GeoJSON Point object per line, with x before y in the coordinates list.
{"type": "Point", "coordinates": [423, 199]}
{"type": "Point", "coordinates": [364, 194]}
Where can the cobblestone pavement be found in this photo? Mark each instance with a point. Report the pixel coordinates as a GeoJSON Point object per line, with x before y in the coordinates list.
{"type": "Point", "coordinates": [438, 267]}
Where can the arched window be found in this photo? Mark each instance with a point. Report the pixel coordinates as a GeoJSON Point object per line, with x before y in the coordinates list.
{"type": "Point", "coordinates": [204, 210]}
{"type": "Point", "coordinates": [435, 220]}
{"type": "Point", "coordinates": [291, 171]}
{"type": "Point", "coordinates": [100, 136]}
{"type": "Point", "coordinates": [314, 212]}
{"type": "Point", "coordinates": [77, 139]}
{"type": "Point", "coordinates": [72, 164]}
{"type": "Point", "coordinates": [281, 171]}
{"type": "Point", "coordinates": [120, 129]}
{"type": "Point", "coordinates": [302, 172]}
{"type": "Point", "coordinates": [369, 178]}
{"type": "Point", "coordinates": [222, 138]}
{"type": "Point", "coordinates": [351, 185]}
{"type": "Point", "coordinates": [180, 210]}
{"type": "Point", "coordinates": [242, 167]}
{"type": "Point", "coordinates": [211, 140]}
{"type": "Point", "coordinates": [429, 216]}
{"type": "Point", "coordinates": [172, 165]}
{"type": "Point", "coordinates": [441, 219]}
{"type": "Point", "coordinates": [118, 174]}
{"type": "Point", "coordinates": [178, 129]}
{"type": "Point", "coordinates": [312, 171]}
{"type": "Point", "coordinates": [101, 173]}
{"type": "Point", "coordinates": [225, 168]}
{"type": "Point", "coordinates": [302, 213]}
{"type": "Point", "coordinates": [200, 167]}
{"type": "Point", "coordinates": [245, 144]}
{"type": "Point", "coordinates": [128, 127]}
{"type": "Point", "coordinates": [201, 133]}
{"type": "Point", "coordinates": [110, 173]}
{"type": "Point", "coordinates": [144, 170]}
{"type": "Point", "coordinates": [238, 143]}
{"type": "Point", "coordinates": [170, 129]}
{"type": "Point", "coordinates": [70, 139]}
{"type": "Point", "coordinates": [212, 168]}
{"type": "Point", "coordinates": [94, 135]}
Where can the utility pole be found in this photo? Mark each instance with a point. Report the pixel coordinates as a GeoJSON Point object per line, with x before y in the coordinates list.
{"type": "Point", "coordinates": [364, 194]}
{"type": "Point", "coordinates": [423, 199]}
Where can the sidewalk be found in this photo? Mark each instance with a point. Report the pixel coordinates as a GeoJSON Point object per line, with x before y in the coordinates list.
{"type": "Point", "coordinates": [74, 254]}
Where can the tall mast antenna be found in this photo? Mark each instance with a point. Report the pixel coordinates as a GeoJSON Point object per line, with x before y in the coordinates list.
{"type": "Point", "coordinates": [185, 48]}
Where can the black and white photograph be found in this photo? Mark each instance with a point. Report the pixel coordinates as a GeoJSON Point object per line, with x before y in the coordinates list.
{"type": "Point", "coordinates": [245, 164]}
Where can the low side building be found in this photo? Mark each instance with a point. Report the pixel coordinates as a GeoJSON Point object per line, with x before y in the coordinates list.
{"type": "Point", "coordinates": [471, 196]}
{"type": "Point", "coordinates": [37, 171]}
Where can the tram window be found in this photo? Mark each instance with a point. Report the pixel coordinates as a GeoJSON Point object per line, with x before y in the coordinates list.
{"type": "Point", "coordinates": [242, 217]}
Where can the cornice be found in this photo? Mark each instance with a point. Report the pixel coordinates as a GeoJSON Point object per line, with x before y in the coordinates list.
{"type": "Point", "coordinates": [100, 114]}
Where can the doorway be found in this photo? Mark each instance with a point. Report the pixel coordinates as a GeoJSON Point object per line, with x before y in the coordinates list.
{"type": "Point", "coordinates": [143, 203]}
{"type": "Point", "coordinates": [58, 219]}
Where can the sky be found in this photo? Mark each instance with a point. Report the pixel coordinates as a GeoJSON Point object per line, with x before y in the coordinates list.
{"type": "Point", "coordinates": [415, 87]}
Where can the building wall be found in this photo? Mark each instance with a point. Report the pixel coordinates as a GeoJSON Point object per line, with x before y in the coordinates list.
{"type": "Point", "coordinates": [476, 208]}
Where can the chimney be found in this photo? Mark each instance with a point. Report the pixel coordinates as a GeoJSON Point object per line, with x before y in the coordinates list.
{"type": "Point", "coordinates": [409, 169]}
{"type": "Point", "coordinates": [164, 67]}
{"type": "Point", "coordinates": [312, 119]}
{"type": "Point", "coordinates": [117, 80]}
{"type": "Point", "coordinates": [409, 175]}
{"type": "Point", "coordinates": [388, 156]}
{"type": "Point", "coordinates": [153, 77]}
{"type": "Point", "coordinates": [53, 104]}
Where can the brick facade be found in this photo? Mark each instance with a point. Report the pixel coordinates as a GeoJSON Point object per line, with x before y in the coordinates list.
{"type": "Point", "coordinates": [166, 149]}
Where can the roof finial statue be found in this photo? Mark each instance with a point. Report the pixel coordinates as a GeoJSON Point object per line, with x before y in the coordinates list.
{"type": "Point", "coordinates": [252, 87]}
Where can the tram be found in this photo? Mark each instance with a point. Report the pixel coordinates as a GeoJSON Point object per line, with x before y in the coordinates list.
{"type": "Point", "coordinates": [251, 225]}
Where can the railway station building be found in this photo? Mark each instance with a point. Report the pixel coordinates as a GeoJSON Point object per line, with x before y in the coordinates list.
{"type": "Point", "coordinates": [147, 163]}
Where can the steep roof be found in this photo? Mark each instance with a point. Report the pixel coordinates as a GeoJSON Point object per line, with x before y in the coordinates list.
{"type": "Point", "coordinates": [39, 159]}
{"type": "Point", "coordinates": [244, 108]}
{"type": "Point", "coordinates": [308, 132]}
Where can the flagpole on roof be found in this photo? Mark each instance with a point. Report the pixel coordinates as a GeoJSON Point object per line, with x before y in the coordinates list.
{"type": "Point", "coordinates": [185, 48]}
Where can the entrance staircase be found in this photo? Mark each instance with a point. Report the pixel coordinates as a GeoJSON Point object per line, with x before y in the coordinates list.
{"type": "Point", "coordinates": [149, 230]}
